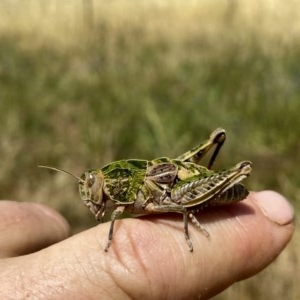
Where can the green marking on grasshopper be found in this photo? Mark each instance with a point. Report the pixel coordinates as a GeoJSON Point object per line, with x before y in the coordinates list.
{"type": "Point", "coordinates": [163, 185]}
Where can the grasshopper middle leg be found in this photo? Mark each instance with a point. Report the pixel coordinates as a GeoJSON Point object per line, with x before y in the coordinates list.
{"type": "Point", "coordinates": [153, 208]}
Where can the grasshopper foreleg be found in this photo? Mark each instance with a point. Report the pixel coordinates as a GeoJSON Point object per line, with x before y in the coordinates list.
{"type": "Point", "coordinates": [115, 214]}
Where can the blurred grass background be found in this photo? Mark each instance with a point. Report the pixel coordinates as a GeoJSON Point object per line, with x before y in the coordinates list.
{"type": "Point", "coordinates": [86, 82]}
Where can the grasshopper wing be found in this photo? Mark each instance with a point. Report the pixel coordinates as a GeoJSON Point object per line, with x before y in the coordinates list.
{"type": "Point", "coordinates": [215, 189]}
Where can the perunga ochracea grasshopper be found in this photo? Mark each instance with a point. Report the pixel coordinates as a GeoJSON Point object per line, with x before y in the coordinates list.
{"type": "Point", "coordinates": [163, 185]}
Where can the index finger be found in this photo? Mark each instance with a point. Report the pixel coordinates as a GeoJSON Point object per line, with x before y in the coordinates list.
{"type": "Point", "coordinates": [28, 227]}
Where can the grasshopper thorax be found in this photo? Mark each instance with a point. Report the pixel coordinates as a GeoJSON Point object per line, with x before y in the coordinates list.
{"type": "Point", "coordinates": [91, 186]}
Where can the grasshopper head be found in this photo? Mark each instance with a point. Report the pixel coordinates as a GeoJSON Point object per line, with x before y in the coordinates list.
{"type": "Point", "coordinates": [91, 186]}
{"type": "Point", "coordinates": [90, 189]}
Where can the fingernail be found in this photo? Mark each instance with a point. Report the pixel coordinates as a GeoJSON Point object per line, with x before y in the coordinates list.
{"type": "Point", "coordinates": [275, 207]}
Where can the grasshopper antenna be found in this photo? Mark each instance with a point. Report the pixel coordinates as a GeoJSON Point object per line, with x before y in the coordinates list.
{"type": "Point", "coordinates": [62, 171]}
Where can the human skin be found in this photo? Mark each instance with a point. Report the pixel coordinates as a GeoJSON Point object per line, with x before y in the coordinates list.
{"type": "Point", "coordinates": [148, 258]}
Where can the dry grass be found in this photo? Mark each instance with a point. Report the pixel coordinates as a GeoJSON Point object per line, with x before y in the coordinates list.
{"type": "Point", "coordinates": [83, 83]}
{"type": "Point", "coordinates": [65, 25]}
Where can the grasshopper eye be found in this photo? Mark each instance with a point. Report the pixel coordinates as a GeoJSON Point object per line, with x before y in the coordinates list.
{"type": "Point", "coordinates": [91, 180]}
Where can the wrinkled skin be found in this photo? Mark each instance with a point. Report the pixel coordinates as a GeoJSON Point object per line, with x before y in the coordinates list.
{"type": "Point", "coordinates": [148, 259]}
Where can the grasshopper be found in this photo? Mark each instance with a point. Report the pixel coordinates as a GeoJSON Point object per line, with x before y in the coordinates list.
{"type": "Point", "coordinates": [163, 185]}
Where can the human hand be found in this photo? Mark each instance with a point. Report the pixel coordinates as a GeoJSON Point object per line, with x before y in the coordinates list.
{"type": "Point", "coordinates": [148, 258]}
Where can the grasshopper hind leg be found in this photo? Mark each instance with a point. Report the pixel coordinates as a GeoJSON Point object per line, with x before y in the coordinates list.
{"type": "Point", "coordinates": [198, 224]}
{"type": "Point", "coordinates": [186, 232]}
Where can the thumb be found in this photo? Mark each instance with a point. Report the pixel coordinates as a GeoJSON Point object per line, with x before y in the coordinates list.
{"type": "Point", "coordinates": [149, 258]}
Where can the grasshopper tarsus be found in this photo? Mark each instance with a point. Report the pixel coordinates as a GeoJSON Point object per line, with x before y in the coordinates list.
{"type": "Point", "coordinates": [189, 242]}
{"type": "Point", "coordinates": [107, 245]}
{"type": "Point", "coordinates": [110, 235]}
